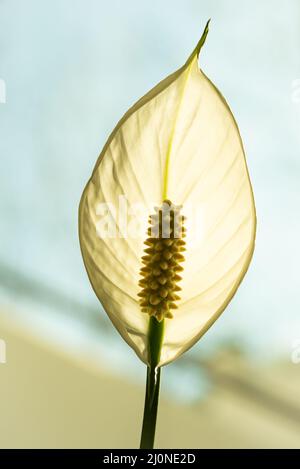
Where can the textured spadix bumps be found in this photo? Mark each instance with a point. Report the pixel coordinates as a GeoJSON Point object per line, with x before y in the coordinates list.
{"type": "Point", "coordinates": [162, 262]}
{"type": "Point", "coordinates": [179, 142]}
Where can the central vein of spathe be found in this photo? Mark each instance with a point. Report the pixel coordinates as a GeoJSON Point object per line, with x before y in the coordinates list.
{"type": "Point", "coordinates": [164, 250]}
{"type": "Point", "coordinates": [158, 294]}
{"type": "Point", "coordinates": [173, 129]}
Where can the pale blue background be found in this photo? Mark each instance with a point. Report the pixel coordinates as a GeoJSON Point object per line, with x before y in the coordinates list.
{"type": "Point", "coordinates": [72, 68]}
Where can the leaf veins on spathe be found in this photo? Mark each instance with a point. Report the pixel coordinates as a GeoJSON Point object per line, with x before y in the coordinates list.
{"type": "Point", "coordinates": [179, 142]}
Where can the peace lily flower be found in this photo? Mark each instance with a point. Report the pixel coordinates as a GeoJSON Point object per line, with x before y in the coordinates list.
{"type": "Point", "coordinates": [177, 151]}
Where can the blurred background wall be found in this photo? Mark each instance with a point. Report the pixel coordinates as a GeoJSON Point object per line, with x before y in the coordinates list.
{"type": "Point", "coordinates": [68, 71]}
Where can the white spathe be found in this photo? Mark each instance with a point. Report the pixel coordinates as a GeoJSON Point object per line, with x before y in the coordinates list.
{"type": "Point", "coordinates": [181, 142]}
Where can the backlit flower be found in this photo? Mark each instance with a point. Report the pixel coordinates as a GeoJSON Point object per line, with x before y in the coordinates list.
{"type": "Point", "coordinates": [179, 144]}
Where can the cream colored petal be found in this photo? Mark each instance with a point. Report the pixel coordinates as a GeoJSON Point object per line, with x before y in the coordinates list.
{"type": "Point", "coordinates": [180, 141]}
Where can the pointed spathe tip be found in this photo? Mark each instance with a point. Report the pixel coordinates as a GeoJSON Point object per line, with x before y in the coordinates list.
{"type": "Point", "coordinates": [202, 39]}
{"type": "Point", "coordinates": [200, 44]}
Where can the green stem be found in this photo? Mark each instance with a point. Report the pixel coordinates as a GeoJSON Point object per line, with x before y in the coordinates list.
{"type": "Point", "coordinates": [155, 338]}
